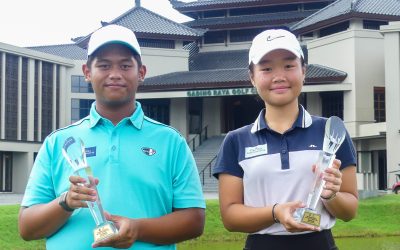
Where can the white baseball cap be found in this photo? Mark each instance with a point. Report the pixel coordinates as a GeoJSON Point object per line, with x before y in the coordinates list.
{"type": "Point", "coordinates": [273, 39]}
{"type": "Point", "coordinates": [113, 34]}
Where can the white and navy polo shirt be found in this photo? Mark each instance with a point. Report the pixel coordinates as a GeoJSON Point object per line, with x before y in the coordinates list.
{"type": "Point", "coordinates": [277, 168]}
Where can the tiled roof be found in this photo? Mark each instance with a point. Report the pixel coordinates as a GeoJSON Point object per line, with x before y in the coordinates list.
{"type": "Point", "coordinates": [142, 20]}
{"type": "Point", "coordinates": [219, 78]}
{"type": "Point", "coordinates": [71, 51]}
{"type": "Point", "coordinates": [228, 78]}
{"type": "Point", "coordinates": [251, 19]}
{"type": "Point", "coordinates": [223, 59]}
{"type": "Point", "coordinates": [317, 74]}
{"type": "Point", "coordinates": [147, 24]}
{"type": "Point", "coordinates": [178, 4]}
{"type": "Point", "coordinates": [349, 8]}
{"type": "Point", "coordinates": [219, 60]}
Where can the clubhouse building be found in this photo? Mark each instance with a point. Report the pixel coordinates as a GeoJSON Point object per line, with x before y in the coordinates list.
{"type": "Point", "coordinates": [198, 81]}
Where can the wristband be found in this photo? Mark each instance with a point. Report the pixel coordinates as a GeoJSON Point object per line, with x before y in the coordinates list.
{"type": "Point", "coordinates": [62, 201]}
{"type": "Point", "coordinates": [273, 213]}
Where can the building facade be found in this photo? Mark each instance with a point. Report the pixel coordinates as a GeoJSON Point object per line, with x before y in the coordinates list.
{"type": "Point", "coordinates": [198, 79]}
{"type": "Point", "coordinates": [32, 104]}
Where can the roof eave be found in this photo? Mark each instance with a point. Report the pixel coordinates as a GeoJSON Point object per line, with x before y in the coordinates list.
{"type": "Point", "coordinates": [325, 80]}
{"type": "Point", "coordinates": [227, 84]}
{"type": "Point", "coordinates": [193, 86]}
{"type": "Point", "coordinates": [214, 6]}
{"type": "Point", "coordinates": [345, 17]}
{"type": "Point", "coordinates": [246, 25]}
{"type": "Point", "coordinates": [167, 36]}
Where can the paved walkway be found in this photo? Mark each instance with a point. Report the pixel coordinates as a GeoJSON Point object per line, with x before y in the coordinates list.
{"type": "Point", "coordinates": [11, 199]}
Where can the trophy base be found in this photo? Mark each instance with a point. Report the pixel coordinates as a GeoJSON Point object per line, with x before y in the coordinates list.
{"type": "Point", "coordinates": [307, 216]}
{"type": "Point", "coordinates": [104, 231]}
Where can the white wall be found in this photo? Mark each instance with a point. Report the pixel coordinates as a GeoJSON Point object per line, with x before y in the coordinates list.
{"type": "Point", "coordinates": [212, 115]}
{"type": "Point", "coordinates": [163, 61]}
{"type": "Point", "coordinates": [391, 34]}
{"type": "Point", "coordinates": [22, 165]}
{"type": "Point", "coordinates": [179, 115]}
{"type": "Point", "coordinates": [361, 57]}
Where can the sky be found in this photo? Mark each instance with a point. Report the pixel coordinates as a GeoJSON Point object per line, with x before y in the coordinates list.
{"type": "Point", "coordinates": [27, 23]}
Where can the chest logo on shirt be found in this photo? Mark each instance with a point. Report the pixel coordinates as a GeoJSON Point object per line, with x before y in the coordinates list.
{"type": "Point", "coordinates": [90, 151]}
{"type": "Point", "coordinates": [255, 151]}
{"type": "Point", "coordinates": [148, 151]}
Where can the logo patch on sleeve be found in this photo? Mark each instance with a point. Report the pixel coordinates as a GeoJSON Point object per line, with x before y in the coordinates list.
{"type": "Point", "coordinates": [90, 151]}
{"type": "Point", "coordinates": [255, 151]}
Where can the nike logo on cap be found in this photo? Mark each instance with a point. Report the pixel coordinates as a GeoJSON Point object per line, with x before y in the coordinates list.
{"type": "Point", "coordinates": [270, 38]}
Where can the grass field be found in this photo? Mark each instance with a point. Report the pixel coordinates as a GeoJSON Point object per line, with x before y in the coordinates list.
{"type": "Point", "coordinates": [377, 217]}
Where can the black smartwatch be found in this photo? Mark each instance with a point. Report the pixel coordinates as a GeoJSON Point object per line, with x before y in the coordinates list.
{"type": "Point", "coordinates": [62, 201]}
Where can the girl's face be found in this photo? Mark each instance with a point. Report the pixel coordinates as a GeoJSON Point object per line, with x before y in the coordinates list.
{"type": "Point", "coordinates": [278, 78]}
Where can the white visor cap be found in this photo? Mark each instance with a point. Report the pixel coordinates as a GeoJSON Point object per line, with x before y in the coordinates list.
{"type": "Point", "coordinates": [271, 40]}
{"type": "Point", "coordinates": [113, 34]}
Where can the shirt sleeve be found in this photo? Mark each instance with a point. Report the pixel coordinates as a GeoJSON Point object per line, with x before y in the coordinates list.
{"type": "Point", "coordinates": [347, 153]}
{"type": "Point", "coordinates": [187, 189]}
{"type": "Point", "coordinates": [228, 158]}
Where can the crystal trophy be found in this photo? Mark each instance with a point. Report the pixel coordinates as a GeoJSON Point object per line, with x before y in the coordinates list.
{"type": "Point", "coordinates": [335, 132]}
{"type": "Point", "coordinates": [75, 154]}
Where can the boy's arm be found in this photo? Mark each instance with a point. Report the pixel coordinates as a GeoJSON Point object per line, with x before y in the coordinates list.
{"type": "Point", "coordinates": [42, 220]}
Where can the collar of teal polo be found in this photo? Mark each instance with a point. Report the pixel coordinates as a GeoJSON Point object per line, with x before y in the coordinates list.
{"type": "Point", "coordinates": [136, 118]}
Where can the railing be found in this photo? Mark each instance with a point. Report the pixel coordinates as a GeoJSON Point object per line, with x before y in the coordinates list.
{"type": "Point", "coordinates": [207, 167]}
{"type": "Point", "coordinates": [202, 136]}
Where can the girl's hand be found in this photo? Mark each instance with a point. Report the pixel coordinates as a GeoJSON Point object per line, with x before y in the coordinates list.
{"type": "Point", "coordinates": [284, 213]}
{"type": "Point", "coordinates": [333, 178]}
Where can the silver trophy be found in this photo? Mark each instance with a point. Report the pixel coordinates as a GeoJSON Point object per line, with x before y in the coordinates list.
{"type": "Point", "coordinates": [74, 152]}
{"type": "Point", "coordinates": [335, 132]}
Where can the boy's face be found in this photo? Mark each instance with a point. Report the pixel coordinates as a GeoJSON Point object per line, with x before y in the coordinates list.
{"type": "Point", "coordinates": [114, 75]}
{"type": "Point", "coordinates": [278, 78]}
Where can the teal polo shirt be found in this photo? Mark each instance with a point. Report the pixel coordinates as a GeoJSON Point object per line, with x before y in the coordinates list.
{"type": "Point", "coordinates": [145, 169]}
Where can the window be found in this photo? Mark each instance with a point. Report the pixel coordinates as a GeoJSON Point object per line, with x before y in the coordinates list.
{"type": "Point", "coordinates": [316, 6]}
{"type": "Point", "coordinates": [6, 171]}
{"type": "Point", "coordinates": [195, 115]}
{"type": "Point", "coordinates": [58, 97]}
{"type": "Point", "coordinates": [379, 104]}
{"type": "Point", "coordinates": [156, 43]}
{"type": "Point", "coordinates": [214, 13]}
{"type": "Point", "coordinates": [303, 99]}
{"type": "Point", "coordinates": [47, 99]}
{"type": "Point", "coordinates": [264, 10]}
{"type": "Point", "coordinates": [244, 35]}
{"type": "Point", "coordinates": [156, 109]}
{"type": "Point", "coordinates": [79, 85]}
{"type": "Point", "coordinates": [36, 99]}
{"type": "Point", "coordinates": [373, 25]}
{"type": "Point", "coordinates": [364, 162]}
{"type": "Point", "coordinates": [334, 29]}
{"type": "Point", "coordinates": [215, 37]}
{"type": "Point", "coordinates": [1, 74]}
{"type": "Point", "coordinates": [24, 99]}
{"type": "Point", "coordinates": [11, 100]}
{"type": "Point", "coordinates": [80, 108]}
{"type": "Point", "coordinates": [332, 104]}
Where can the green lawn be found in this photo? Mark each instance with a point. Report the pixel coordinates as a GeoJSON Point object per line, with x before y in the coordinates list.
{"type": "Point", "coordinates": [376, 217]}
